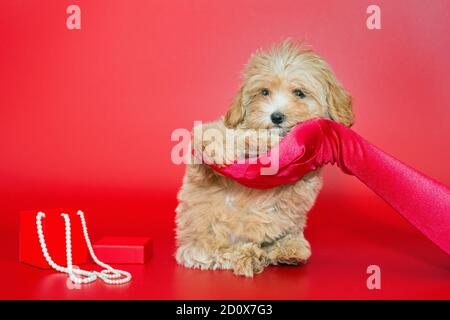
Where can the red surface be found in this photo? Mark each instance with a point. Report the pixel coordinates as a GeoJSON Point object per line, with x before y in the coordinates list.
{"type": "Point", "coordinates": [53, 227]}
{"type": "Point", "coordinates": [348, 233]}
{"type": "Point", "coordinates": [86, 118]}
{"type": "Point", "coordinates": [123, 249]}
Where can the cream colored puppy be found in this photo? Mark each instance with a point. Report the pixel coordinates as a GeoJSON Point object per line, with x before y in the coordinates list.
{"type": "Point", "coordinates": [224, 225]}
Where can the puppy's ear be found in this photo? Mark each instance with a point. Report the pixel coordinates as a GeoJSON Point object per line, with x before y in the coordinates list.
{"type": "Point", "coordinates": [235, 114]}
{"type": "Point", "coordinates": [339, 101]}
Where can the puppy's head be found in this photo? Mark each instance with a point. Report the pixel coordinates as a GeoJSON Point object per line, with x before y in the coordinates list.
{"type": "Point", "coordinates": [286, 85]}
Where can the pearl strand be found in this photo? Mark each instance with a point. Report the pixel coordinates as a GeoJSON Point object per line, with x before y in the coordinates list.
{"type": "Point", "coordinates": [108, 275]}
{"type": "Point", "coordinates": [89, 277]}
{"type": "Point", "coordinates": [92, 276]}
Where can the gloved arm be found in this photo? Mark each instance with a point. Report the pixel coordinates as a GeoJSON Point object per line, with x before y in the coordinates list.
{"type": "Point", "coordinates": [424, 202]}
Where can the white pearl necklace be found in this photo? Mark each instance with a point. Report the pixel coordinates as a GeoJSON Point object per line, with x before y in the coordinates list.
{"type": "Point", "coordinates": [108, 275]}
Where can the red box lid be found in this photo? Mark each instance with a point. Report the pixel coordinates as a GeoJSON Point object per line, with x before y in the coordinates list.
{"type": "Point", "coordinates": [123, 249]}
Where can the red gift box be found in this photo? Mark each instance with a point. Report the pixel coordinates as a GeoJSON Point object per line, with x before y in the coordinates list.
{"type": "Point", "coordinates": [53, 226]}
{"type": "Point", "coordinates": [123, 249]}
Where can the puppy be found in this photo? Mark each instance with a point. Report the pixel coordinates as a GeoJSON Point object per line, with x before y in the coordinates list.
{"type": "Point", "coordinates": [221, 224]}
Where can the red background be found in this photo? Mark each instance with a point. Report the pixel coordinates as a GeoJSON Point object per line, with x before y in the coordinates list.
{"type": "Point", "coordinates": [86, 117]}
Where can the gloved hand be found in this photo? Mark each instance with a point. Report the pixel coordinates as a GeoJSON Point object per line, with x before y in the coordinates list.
{"type": "Point", "coordinates": [424, 202]}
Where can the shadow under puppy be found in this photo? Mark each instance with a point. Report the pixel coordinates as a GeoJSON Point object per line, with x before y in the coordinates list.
{"type": "Point", "coordinates": [221, 224]}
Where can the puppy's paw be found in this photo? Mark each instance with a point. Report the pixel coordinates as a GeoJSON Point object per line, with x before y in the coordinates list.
{"type": "Point", "coordinates": [216, 149]}
{"type": "Point", "coordinates": [215, 153]}
{"type": "Point", "coordinates": [193, 257]}
{"type": "Point", "coordinates": [248, 260]}
{"type": "Point", "coordinates": [253, 143]}
{"type": "Point", "coordinates": [291, 249]}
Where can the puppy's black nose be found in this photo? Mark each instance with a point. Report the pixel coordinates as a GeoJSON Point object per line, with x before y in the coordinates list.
{"type": "Point", "coordinates": [277, 117]}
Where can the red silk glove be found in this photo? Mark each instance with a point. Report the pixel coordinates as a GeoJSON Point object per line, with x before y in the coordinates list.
{"type": "Point", "coordinates": [424, 202]}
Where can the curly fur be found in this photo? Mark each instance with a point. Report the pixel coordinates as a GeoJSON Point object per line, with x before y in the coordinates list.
{"type": "Point", "coordinates": [224, 225]}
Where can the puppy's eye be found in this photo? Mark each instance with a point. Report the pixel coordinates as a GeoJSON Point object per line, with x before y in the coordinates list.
{"type": "Point", "coordinates": [265, 92]}
{"type": "Point", "coordinates": [299, 93]}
